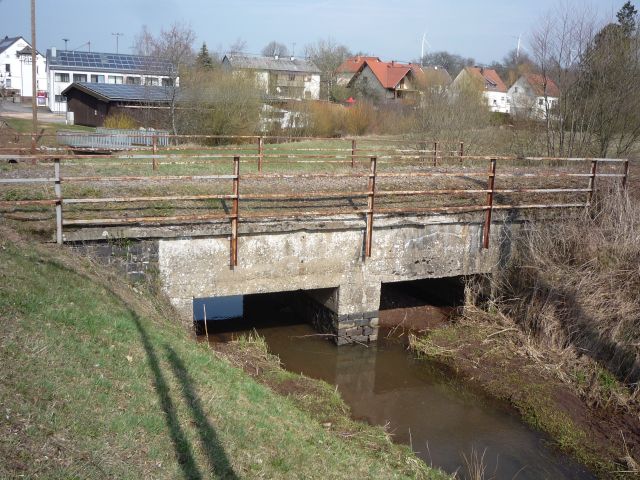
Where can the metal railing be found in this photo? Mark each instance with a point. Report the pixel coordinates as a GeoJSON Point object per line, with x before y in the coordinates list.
{"type": "Point", "coordinates": [426, 164]}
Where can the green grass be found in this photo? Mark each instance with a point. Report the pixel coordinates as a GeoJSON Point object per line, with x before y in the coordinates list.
{"type": "Point", "coordinates": [97, 383]}
{"type": "Point", "coordinates": [23, 125]}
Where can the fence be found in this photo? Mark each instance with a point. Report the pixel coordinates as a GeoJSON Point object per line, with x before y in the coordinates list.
{"type": "Point", "coordinates": [302, 165]}
{"type": "Point", "coordinates": [113, 139]}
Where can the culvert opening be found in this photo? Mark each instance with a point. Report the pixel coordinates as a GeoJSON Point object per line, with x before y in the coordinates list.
{"type": "Point", "coordinates": [421, 304]}
{"type": "Point", "coordinates": [224, 318]}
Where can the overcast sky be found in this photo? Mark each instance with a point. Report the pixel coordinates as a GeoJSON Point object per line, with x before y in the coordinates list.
{"type": "Point", "coordinates": [484, 30]}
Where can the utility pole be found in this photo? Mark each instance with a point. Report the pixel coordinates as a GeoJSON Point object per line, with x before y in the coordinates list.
{"type": "Point", "coordinates": [34, 73]}
{"type": "Point", "coordinates": [117, 35]}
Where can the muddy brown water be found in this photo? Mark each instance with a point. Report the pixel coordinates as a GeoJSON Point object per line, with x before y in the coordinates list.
{"type": "Point", "coordinates": [422, 405]}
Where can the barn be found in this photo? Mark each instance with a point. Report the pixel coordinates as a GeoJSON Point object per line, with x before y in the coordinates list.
{"type": "Point", "coordinates": [92, 103]}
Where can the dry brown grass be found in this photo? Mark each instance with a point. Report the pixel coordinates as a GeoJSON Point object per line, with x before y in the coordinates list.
{"type": "Point", "coordinates": [575, 282]}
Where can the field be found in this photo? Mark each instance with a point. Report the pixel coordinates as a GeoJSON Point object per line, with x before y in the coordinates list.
{"type": "Point", "coordinates": [293, 178]}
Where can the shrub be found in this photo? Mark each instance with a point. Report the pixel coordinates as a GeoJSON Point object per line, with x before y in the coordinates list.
{"type": "Point", "coordinates": [120, 121]}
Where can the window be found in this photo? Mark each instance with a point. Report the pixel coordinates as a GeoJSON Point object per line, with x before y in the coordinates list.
{"type": "Point", "coordinates": [61, 99]}
{"type": "Point", "coordinates": [7, 83]}
{"type": "Point", "coordinates": [292, 77]}
{"type": "Point", "coordinates": [79, 77]}
{"type": "Point", "coordinates": [167, 82]}
{"type": "Point", "coordinates": [7, 67]}
{"type": "Point", "coordinates": [133, 80]}
{"type": "Point", "coordinates": [114, 79]}
{"type": "Point", "coordinates": [541, 101]}
{"type": "Point", "coordinates": [61, 77]}
{"type": "Point", "coordinates": [97, 78]}
{"type": "Point", "coordinates": [151, 81]}
{"type": "Point", "coordinates": [515, 89]}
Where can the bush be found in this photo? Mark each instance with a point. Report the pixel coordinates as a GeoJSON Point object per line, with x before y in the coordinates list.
{"type": "Point", "coordinates": [575, 282]}
{"type": "Point", "coordinates": [120, 121]}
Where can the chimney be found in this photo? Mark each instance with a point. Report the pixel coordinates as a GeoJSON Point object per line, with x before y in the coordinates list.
{"type": "Point", "coordinates": [54, 52]}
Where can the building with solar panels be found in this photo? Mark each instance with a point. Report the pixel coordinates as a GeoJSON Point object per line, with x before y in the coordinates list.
{"type": "Point", "coordinates": [65, 67]}
{"type": "Point", "coordinates": [92, 103]}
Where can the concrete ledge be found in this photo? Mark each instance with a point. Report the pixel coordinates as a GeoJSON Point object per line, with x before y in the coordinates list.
{"type": "Point", "coordinates": [275, 225]}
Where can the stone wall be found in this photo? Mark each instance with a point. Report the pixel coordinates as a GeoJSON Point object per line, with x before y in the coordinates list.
{"type": "Point", "coordinates": [137, 259]}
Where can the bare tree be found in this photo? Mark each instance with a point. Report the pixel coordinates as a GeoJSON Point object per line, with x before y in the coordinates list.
{"type": "Point", "coordinates": [239, 46]}
{"type": "Point", "coordinates": [327, 55]}
{"type": "Point", "coordinates": [219, 102]}
{"type": "Point", "coordinates": [449, 61]}
{"type": "Point", "coordinates": [557, 46]}
{"type": "Point", "coordinates": [175, 45]}
{"type": "Point", "coordinates": [274, 48]}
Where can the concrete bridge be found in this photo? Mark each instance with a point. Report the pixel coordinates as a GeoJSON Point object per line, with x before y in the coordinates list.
{"type": "Point", "coordinates": [300, 216]}
{"type": "Point", "coordinates": [324, 257]}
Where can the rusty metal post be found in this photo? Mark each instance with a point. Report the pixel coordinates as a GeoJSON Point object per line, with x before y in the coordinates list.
{"type": "Point", "coordinates": [487, 220]}
{"type": "Point", "coordinates": [592, 180]}
{"type": "Point", "coordinates": [370, 204]}
{"type": "Point", "coordinates": [461, 151]}
{"type": "Point", "coordinates": [626, 174]}
{"type": "Point", "coordinates": [435, 154]}
{"type": "Point", "coordinates": [353, 152]}
{"type": "Point", "coordinates": [155, 151]}
{"type": "Point", "coordinates": [234, 212]}
{"type": "Point", "coordinates": [260, 153]}
{"type": "Point", "coordinates": [57, 187]}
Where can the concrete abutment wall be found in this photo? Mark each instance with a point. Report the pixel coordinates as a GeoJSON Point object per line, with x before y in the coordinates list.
{"type": "Point", "coordinates": [329, 265]}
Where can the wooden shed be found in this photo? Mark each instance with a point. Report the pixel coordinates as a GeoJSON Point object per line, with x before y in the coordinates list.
{"type": "Point", "coordinates": [92, 103]}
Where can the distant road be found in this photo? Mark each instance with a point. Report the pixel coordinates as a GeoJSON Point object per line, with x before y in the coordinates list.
{"type": "Point", "coordinates": [23, 110]}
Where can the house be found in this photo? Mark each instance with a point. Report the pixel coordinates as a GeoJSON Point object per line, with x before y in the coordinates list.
{"type": "Point", "coordinates": [384, 80]}
{"type": "Point", "coordinates": [533, 95]}
{"type": "Point", "coordinates": [435, 78]}
{"type": "Point", "coordinates": [280, 78]}
{"type": "Point", "coordinates": [65, 67]}
{"type": "Point", "coordinates": [487, 79]}
{"type": "Point", "coordinates": [15, 69]}
{"type": "Point", "coordinates": [350, 67]}
{"type": "Point", "coordinates": [91, 103]}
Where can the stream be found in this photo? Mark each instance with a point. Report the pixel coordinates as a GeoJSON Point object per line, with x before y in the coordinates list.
{"type": "Point", "coordinates": [422, 405]}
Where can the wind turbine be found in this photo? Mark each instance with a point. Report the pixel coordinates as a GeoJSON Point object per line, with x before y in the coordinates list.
{"type": "Point", "coordinates": [424, 42]}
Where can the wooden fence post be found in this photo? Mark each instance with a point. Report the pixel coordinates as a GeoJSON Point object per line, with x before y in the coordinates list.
{"type": "Point", "coordinates": [57, 187]}
{"type": "Point", "coordinates": [461, 151]}
{"type": "Point", "coordinates": [626, 174]}
{"type": "Point", "coordinates": [260, 153]}
{"type": "Point", "coordinates": [370, 204]}
{"type": "Point", "coordinates": [592, 180]}
{"type": "Point", "coordinates": [353, 152]}
{"type": "Point", "coordinates": [487, 219]}
{"type": "Point", "coordinates": [234, 212]}
{"type": "Point", "coordinates": [435, 154]}
{"type": "Point", "coordinates": [155, 151]}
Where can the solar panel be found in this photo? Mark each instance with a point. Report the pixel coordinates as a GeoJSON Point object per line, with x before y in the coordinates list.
{"type": "Point", "coordinates": [111, 62]}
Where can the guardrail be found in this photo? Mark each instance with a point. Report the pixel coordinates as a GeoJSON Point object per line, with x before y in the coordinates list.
{"type": "Point", "coordinates": [423, 167]}
{"type": "Point", "coordinates": [105, 139]}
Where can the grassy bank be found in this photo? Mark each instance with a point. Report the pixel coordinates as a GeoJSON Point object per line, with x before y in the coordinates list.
{"type": "Point", "coordinates": [97, 381]}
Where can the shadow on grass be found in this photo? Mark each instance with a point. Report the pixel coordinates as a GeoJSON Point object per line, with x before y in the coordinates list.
{"type": "Point", "coordinates": [180, 442]}
{"type": "Point", "coordinates": [213, 449]}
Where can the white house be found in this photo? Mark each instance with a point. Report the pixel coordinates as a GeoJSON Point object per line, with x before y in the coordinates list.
{"type": "Point", "coordinates": [534, 95]}
{"type": "Point", "coordinates": [15, 69]}
{"type": "Point", "coordinates": [65, 67]}
{"type": "Point", "coordinates": [280, 78]}
{"type": "Point", "coordinates": [493, 88]}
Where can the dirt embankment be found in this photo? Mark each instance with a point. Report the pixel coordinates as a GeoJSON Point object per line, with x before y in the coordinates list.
{"type": "Point", "coordinates": [582, 407]}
